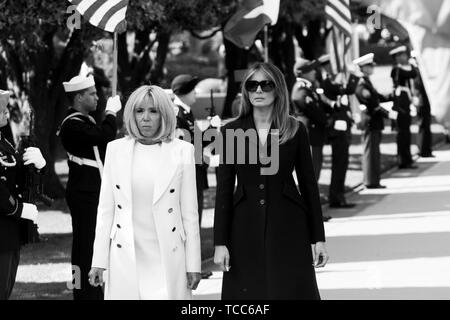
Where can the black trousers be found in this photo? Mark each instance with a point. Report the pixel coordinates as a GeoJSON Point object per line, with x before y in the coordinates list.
{"type": "Point", "coordinates": [83, 210]}
{"type": "Point", "coordinates": [425, 138]}
{"type": "Point", "coordinates": [404, 139]}
{"type": "Point", "coordinates": [371, 159]}
{"type": "Point", "coordinates": [340, 145]}
{"type": "Point", "coordinates": [317, 158]}
{"type": "Point", "coordinates": [9, 262]}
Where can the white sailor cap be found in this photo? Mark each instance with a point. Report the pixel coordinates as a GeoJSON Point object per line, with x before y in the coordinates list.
{"type": "Point", "coordinates": [4, 98]}
{"type": "Point", "coordinates": [365, 60]}
{"type": "Point", "coordinates": [398, 50]}
{"type": "Point", "coordinates": [79, 83]}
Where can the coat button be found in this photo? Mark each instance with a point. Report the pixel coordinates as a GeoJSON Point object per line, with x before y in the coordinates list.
{"type": "Point", "coordinates": [261, 186]}
{"type": "Point", "coordinates": [170, 210]}
{"type": "Point", "coordinates": [172, 190]}
{"type": "Point", "coordinates": [174, 249]}
{"type": "Point", "coordinates": [174, 228]}
{"type": "Point", "coordinates": [119, 206]}
{"type": "Point", "coordinates": [117, 186]}
{"type": "Point", "coordinates": [119, 246]}
{"type": "Point", "coordinates": [118, 226]}
{"type": "Point", "coordinates": [262, 202]}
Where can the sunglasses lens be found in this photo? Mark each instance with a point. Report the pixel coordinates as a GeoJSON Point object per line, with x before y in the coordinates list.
{"type": "Point", "coordinates": [251, 86]}
{"type": "Point", "coordinates": [267, 86]}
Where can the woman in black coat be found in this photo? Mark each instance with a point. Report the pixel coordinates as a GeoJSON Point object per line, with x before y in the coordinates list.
{"type": "Point", "coordinates": [265, 230]}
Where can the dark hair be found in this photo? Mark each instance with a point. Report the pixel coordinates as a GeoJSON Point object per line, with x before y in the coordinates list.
{"type": "Point", "coordinates": [71, 95]}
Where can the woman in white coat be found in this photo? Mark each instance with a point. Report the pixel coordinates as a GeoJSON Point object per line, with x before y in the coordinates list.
{"type": "Point", "coordinates": [147, 241]}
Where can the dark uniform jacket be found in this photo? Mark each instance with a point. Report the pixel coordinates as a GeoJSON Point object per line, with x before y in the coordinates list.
{"type": "Point", "coordinates": [340, 111]}
{"type": "Point", "coordinates": [13, 229]}
{"type": "Point", "coordinates": [186, 121]}
{"type": "Point", "coordinates": [374, 112]}
{"type": "Point", "coordinates": [308, 103]}
{"type": "Point", "coordinates": [266, 223]}
{"type": "Point", "coordinates": [402, 79]}
{"type": "Point", "coordinates": [79, 138]}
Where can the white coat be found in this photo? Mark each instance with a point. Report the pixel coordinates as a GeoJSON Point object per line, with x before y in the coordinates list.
{"type": "Point", "coordinates": [175, 215]}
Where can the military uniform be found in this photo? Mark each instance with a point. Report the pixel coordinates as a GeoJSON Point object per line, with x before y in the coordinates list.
{"type": "Point", "coordinates": [13, 229]}
{"type": "Point", "coordinates": [425, 137]}
{"type": "Point", "coordinates": [339, 139]}
{"type": "Point", "coordinates": [373, 128]}
{"type": "Point", "coordinates": [402, 77]}
{"type": "Point", "coordinates": [315, 114]}
{"type": "Point", "coordinates": [79, 135]}
{"type": "Point", "coordinates": [186, 121]}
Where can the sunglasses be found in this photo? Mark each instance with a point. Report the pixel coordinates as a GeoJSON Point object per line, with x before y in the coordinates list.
{"type": "Point", "coordinates": [266, 85]}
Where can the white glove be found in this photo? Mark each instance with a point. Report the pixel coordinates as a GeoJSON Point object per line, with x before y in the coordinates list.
{"type": "Point", "coordinates": [216, 122]}
{"type": "Point", "coordinates": [113, 104]}
{"type": "Point", "coordinates": [34, 156]}
{"type": "Point", "coordinates": [29, 212]}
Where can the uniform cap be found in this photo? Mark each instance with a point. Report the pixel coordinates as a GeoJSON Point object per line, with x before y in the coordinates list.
{"type": "Point", "coordinates": [365, 60]}
{"type": "Point", "coordinates": [79, 83]}
{"type": "Point", "coordinates": [183, 84]}
{"type": "Point", "coordinates": [398, 50]}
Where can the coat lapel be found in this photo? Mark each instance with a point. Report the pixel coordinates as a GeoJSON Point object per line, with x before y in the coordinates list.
{"type": "Point", "coordinates": [167, 167]}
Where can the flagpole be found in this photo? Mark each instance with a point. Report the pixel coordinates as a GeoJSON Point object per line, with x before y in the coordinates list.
{"type": "Point", "coordinates": [336, 49]}
{"type": "Point", "coordinates": [114, 79]}
{"type": "Point", "coordinates": [266, 43]}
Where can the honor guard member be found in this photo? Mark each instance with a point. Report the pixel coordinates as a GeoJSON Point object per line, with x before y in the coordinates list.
{"type": "Point", "coordinates": [85, 142]}
{"type": "Point", "coordinates": [403, 74]}
{"type": "Point", "coordinates": [422, 103]}
{"type": "Point", "coordinates": [183, 87]}
{"type": "Point", "coordinates": [311, 110]}
{"type": "Point", "coordinates": [14, 213]}
{"type": "Point", "coordinates": [339, 133]}
{"type": "Point", "coordinates": [372, 122]}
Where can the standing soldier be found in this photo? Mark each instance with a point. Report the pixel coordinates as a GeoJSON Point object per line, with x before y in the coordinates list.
{"type": "Point", "coordinates": [14, 213]}
{"type": "Point", "coordinates": [85, 143]}
{"type": "Point", "coordinates": [421, 102]}
{"type": "Point", "coordinates": [372, 122]}
{"type": "Point", "coordinates": [339, 134]}
{"type": "Point", "coordinates": [311, 110]}
{"type": "Point", "coordinates": [403, 73]}
{"type": "Point", "coordinates": [183, 87]}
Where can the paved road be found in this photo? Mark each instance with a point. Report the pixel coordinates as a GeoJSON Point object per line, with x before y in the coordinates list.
{"type": "Point", "coordinates": [394, 245]}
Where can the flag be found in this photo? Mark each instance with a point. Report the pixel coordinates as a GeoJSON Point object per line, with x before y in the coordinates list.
{"type": "Point", "coordinates": [108, 15]}
{"type": "Point", "coordinates": [428, 26]}
{"type": "Point", "coordinates": [339, 18]}
{"type": "Point", "coordinates": [249, 20]}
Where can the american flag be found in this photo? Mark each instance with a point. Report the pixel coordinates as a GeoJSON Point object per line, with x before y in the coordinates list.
{"type": "Point", "coordinates": [108, 15]}
{"type": "Point", "coordinates": [339, 14]}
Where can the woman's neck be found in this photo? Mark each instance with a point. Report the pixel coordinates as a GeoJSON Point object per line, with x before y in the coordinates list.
{"type": "Point", "coordinates": [148, 142]}
{"type": "Point", "coordinates": [263, 115]}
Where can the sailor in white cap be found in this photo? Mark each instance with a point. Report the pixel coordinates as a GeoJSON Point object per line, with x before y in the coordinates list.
{"type": "Point", "coordinates": [85, 142]}
{"type": "Point", "coordinates": [403, 74]}
{"type": "Point", "coordinates": [372, 122]}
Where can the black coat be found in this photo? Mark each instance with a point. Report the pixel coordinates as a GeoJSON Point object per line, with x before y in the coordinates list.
{"type": "Point", "coordinates": [402, 78]}
{"type": "Point", "coordinates": [267, 225]}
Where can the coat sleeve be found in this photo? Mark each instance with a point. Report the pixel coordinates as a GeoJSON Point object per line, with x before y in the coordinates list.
{"type": "Point", "coordinates": [308, 186]}
{"type": "Point", "coordinates": [189, 214]}
{"type": "Point", "coordinates": [223, 212]}
{"type": "Point", "coordinates": [10, 206]}
{"type": "Point", "coordinates": [105, 215]}
{"type": "Point", "coordinates": [88, 135]}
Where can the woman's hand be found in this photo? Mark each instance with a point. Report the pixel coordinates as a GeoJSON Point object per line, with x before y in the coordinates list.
{"type": "Point", "coordinates": [96, 277]}
{"type": "Point", "coordinates": [193, 279]}
{"type": "Point", "coordinates": [222, 258]}
{"type": "Point", "coordinates": [320, 255]}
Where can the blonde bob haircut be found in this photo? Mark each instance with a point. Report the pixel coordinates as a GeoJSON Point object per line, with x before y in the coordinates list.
{"type": "Point", "coordinates": [162, 102]}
